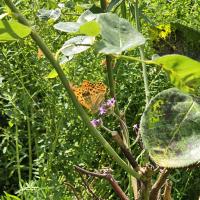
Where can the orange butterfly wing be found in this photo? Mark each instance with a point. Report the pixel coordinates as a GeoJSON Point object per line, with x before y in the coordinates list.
{"type": "Point", "coordinates": [79, 94]}
{"type": "Point", "coordinates": [40, 54]}
{"type": "Point", "coordinates": [90, 95]}
{"type": "Point", "coordinates": [98, 95]}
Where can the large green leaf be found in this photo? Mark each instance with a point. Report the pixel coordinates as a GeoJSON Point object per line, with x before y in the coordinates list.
{"type": "Point", "coordinates": [87, 16]}
{"type": "Point", "coordinates": [91, 28]}
{"type": "Point", "coordinates": [72, 27]}
{"type": "Point", "coordinates": [117, 34]}
{"type": "Point", "coordinates": [12, 30]}
{"type": "Point", "coordinates": [77, 45]}
{"type": "Point", "coordinates": [184, 72]}
{"type": "Point", "coordinates": [170, 129]}
{"type": "Point", "coordinates": [68, 27]}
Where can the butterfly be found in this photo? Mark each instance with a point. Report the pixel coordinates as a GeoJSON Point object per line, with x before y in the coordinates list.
{"type": "Point", "coordinates": [90, 95]}
{"type": "Point", "coordinates": [39, 54]}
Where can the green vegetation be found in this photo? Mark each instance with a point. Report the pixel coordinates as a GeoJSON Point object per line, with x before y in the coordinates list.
{"type": "Point", "coordinates": [134, 146]}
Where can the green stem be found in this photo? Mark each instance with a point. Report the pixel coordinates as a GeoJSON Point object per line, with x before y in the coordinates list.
{"type": "Point", "coordinates": [109, 67]}
{"type": "Point", "coordinates": [133, 59]}
{"type": "Point", "coordinates": [110, 75]}
{"type": "Point", "coordinates": [29, 148]}
{"type": "Point", "coordinates": [103, 4]}
{"type": "Point", "coordinates": [38, 40]}
{"type": "Point", "coordinates": [107, 129]}
{"type": "Point", "coordinates": [144, 70]}
{"type": "Point", "coordinates": [123, 9]}
{"type": "Point", "coordinates": [53, 148]}
{"type": "Point", "coordinates": [111, 82]}
{"type": "Point", "coordinates": [145, 76]}
{"type": "Point", "coordinates": [125, 129]}
{"type": "Point", "coordinates": [17, 154]}
{"type": "Point", "coordinates": [112, 93]}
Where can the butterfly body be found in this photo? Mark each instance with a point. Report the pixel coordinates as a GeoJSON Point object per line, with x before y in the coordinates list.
{"type": "Point", "coordinates": [90, 95]}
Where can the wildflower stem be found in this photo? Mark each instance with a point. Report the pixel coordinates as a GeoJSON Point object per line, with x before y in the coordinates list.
{"type": "Point", "coordinates": [133, 59]}
{"type": "Point", "coordinates": [17, 154]}
{"type": "Point", "coordinates": [38, 40]}
{"type": "Point", "coordinates": [112, 92]}
{"type": "Point", "coordinates": [144, 70]}
{"type": "Point", "coordinates": [29, 148]}
{"type": "Point", "coordinates": [107, 129]}
{"type": "Point", "coordinates": [125, 150]}
{"type": "Point", "coordinates": [111, 80]}
{"type": "Point", "coordinates": [125, 129]}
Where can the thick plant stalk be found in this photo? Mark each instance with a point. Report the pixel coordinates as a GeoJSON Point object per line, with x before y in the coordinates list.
{"type": "Point", "coordinates": [146, 185]}
{"type": "Point", "coordinates": [66, 84]}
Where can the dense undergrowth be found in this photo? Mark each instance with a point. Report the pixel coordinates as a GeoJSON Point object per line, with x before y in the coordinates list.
{"type": "Point", "coordinates": [37, 119]}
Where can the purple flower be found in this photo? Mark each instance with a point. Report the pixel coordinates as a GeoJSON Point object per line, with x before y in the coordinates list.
{"type": "Point", "coordinates": [96, 122]}
{"type": "Point", "coordinates": [107, 106]}
{"type": "Point", "coordinates": [102, 110]}
{"type": "Point", "coordinates": [111, 102]}
{"type": "Point", "coordinates": [135, 127]}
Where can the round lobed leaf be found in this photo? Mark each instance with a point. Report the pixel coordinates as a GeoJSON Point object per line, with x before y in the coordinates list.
{"type": "Point", "coordinates": [170, 129]}
{"type": "Point", "coordinates": [77, 45]}
{"type": "Point", "coordinates": [68, 27]}
{"type": "Point", "coordinates": [87, 16]}
{"type": "Point", "coordinates": [73, 27]}
{"type": "Point", "coordinates": [183, 72]}
{"type": "Point", "coordinates": [91, 28]}
{"type": "Point", "coordinates": [117, 34]}
{"type": "Point", "coordinates": [12, 30]}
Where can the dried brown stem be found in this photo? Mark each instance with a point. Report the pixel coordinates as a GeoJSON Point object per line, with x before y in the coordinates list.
{"type": "Point", "coordinates": [158, 184]}
{"type": "Point", "coordinates": [167, 191]}
{"type": "Point", "coordinates": [95, 197]}
{"type": "Point", "coordinates": [107, 176]}
{"type": "Point", "coordinates": [138, 138]}
{"type": "Point", "coordinates": [73, 189]}
{"type": "Point", "coordinates": [125, 150]}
